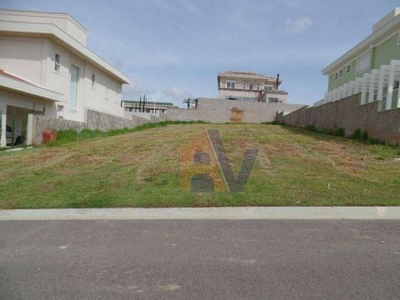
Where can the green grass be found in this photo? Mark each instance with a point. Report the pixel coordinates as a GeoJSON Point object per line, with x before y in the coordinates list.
{"type": "Point", "coordinates": [142, 168]}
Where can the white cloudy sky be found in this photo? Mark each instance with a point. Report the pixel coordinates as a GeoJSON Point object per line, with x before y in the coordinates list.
{"type": "Point", "coordinates": [174, 49]}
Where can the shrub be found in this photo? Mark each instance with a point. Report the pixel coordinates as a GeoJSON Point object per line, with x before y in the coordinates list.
{"type": "Point", "coordinates": [311, 127]}
{"type": "Point", "coordinates": [339, 132]}
{"type": "Point", "coordinates": [364, 136]}
{"type": "Point", "coordinates": [356, 134]}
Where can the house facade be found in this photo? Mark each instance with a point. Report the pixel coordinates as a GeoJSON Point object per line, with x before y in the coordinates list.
{"type": "Point", "coordinates": [153, 107]}
{"type": "Point", "coordinates": [46, 68]}
{"type": "Point", "coordinates": [371, 68]}
{"type": "Point", "coordinates": [247, 86]}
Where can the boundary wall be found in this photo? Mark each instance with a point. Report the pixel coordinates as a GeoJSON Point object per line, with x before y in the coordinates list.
{"type": "Point", "coordinates": [348, 114]}
{"type": "Point", "coordinates": [94, 120]}
{"type": "Point", "coordinates": [208, 110]}
{"type": "Point", "coordinates": [222, 111]}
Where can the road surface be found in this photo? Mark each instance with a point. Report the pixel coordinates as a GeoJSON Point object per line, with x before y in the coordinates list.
{"type": "Point", "coordinates": [200, 259]}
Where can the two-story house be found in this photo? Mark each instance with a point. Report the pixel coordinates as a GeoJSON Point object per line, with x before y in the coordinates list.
{"type": "Point", "coordinates": [248, 86]}
{"type": "Point", "coordinates": [46, 68]}
{"type": "Point", "coordinates": [371, 68]}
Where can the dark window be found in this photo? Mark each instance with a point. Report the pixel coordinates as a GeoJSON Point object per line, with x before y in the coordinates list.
{"type": "Point", "coordinates": [57, 62]}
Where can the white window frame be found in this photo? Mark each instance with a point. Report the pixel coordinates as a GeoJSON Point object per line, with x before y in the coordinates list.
{"type": "Point", "coordinates": [348, 69]}
{"type": "Point", "coordinates": [398, 39]}
{"type": "Point", "coordinates": [74, 88]}
{"type": "Point", "coordinates": [336, 76]}
{"type": "Point", "coordinates": [230, 84]}
{"type": "Point", "coordinates": [60, 111]}
{"type": "Point", "coordinates": [364, 63]}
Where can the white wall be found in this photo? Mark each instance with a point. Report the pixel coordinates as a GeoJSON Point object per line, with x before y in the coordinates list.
{"type": "Point", "coordinates": [61, 20]}
{"type": "Point", "coordinates": [103, 96]}
{"type": "Point", "coordinates": [23, 57]}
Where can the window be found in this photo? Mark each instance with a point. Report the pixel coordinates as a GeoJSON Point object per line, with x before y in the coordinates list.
{"type": "Point", "coordinates": [268, 87]}
{"type": "Point", "coordinates": [258, 86]}
{"type": "Point", "coordinates": [93, 79]}
{"type": "Point", "coordinates": [396, 85]}
{"type": "Point", "coordinates": [250, 86]}
{"type": "Point", "coordinates": [336, 76]}
{"type": "Point", "coordinates": [57, 63]}
{"type": "Point", "coordinates": [230, 84]}
{"type": "Point", "coordinates": [363, 63]}
{"type": "Point", "coordinates": [348, 68]}
{"type": "Point", "coordinates": [73, 92]}
{"type": "Point", "coordinates": [398, 39]}
{"type": "Point", "coordinates": [244, 85]}
{"type": "Point", "coordinates": [273, 100]}
{"type": "Point", "coordinates": [60, 111]}
{"type": "Point", "coordinates": [340, 73]}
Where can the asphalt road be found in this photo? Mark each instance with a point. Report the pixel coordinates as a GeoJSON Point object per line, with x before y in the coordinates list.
{"type": "Point", "coordinates": [200, 259]}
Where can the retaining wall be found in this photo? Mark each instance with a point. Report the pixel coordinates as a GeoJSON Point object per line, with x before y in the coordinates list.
{"type": "Point", "coordinates": [349, 115]}
{"type": "Point", "coordinates": [95, 120]}
{"type": "Point", "coordinates": [222, 111]}
{"type": "Point", "coordinates": [209, 110]}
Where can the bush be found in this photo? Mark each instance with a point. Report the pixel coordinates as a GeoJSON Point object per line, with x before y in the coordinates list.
{"type": "Point", "coordinates": [339, 132]}
{"type": "Point", "coordinates": [364, 136]}
{"type": "Point", "coordinates": [311, 128]}
{"type": "Point", "coordinates": [356, 134]}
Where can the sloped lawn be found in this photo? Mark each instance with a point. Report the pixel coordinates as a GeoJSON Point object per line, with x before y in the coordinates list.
{"type": "Point", "coordinates": [146, 168]}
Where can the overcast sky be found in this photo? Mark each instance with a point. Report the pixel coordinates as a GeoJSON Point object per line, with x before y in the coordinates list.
{"type": "Point", "coordinates": [174, 49]}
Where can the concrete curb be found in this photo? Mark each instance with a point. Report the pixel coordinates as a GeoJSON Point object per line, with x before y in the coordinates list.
{"type": "Point", "coordinates": [214, 213]}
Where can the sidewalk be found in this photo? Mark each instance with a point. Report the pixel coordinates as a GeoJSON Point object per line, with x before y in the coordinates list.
{"type": "Point", "coordinates": [215, 213]}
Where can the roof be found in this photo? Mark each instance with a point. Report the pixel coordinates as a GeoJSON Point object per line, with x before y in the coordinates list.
{"type": "Point", "coordinates": [30, 25]}
{"type": "Point", "coordinates": [14, 83]}
{"type": "Point", "coordinates": [386, 26]}
{"type": "Point", "coordinates": [242, 74]}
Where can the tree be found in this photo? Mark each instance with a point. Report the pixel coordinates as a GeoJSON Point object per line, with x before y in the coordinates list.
{"type": "Point", "coordinates": [188, 101]}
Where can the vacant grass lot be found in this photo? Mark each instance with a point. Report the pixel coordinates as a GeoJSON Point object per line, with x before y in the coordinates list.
{"type": "Point", "coordinates": [142, 169]}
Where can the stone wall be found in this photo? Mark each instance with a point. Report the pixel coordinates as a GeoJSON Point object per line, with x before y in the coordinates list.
{"type": "Point", "coordinates": [95, 120]}
{"type": "Point", "coordinates": [349, 115]}
{"type": "Point", "coordinates": [222, 111]}
{"type": "Point", "coordinates": [38, 123]}
{"type": "Point", "coordinates": [104, 122]}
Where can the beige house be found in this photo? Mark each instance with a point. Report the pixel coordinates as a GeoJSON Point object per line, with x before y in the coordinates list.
{"type": "Point", "coordinates": [247, 86]}
{"type": "Point", "coordinates": [46, 68]}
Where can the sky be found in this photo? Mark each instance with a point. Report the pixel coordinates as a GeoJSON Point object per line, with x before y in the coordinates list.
{"type": "Point", "coordinates": [174, 49]}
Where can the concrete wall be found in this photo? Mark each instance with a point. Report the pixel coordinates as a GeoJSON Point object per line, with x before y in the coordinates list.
{"type": "Point", "coordinates": [349, 115]}
{"type": "Point", "coordinates": [222, 111]}
{"type": "Point", "coordinates": [209, 110]}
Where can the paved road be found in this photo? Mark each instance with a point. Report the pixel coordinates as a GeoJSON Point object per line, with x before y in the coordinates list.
{"type": "Point", "coordinates": [200, 259]}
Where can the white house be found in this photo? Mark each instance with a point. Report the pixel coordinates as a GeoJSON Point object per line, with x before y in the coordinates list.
{"type": "Point", "coordinates": [46, 68]}
{"type": "Point", "coordinates": [248, 86]}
